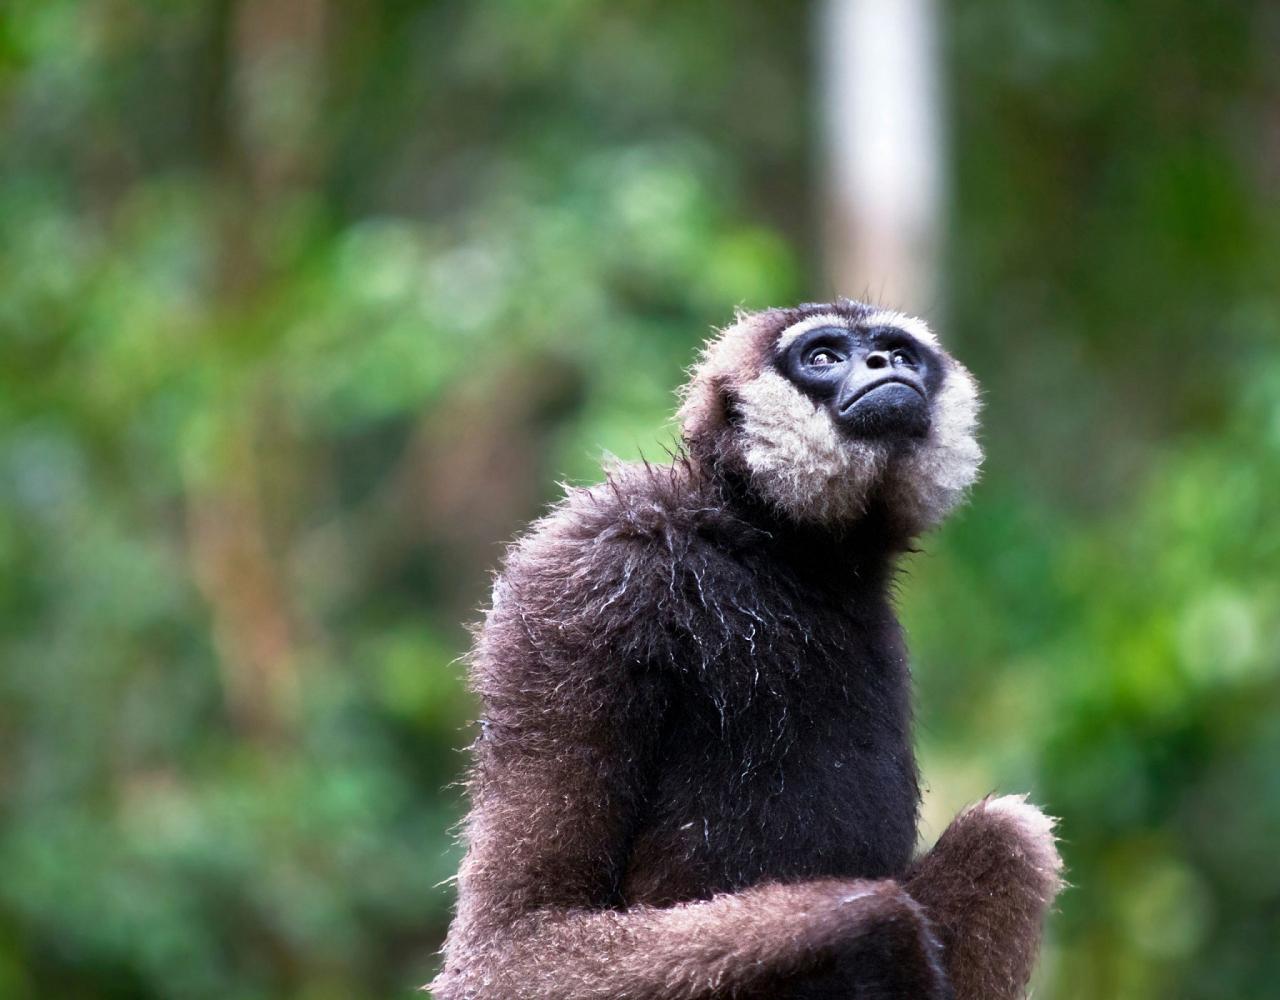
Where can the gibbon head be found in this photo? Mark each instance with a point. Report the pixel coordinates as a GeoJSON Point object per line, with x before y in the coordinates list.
{"type": "Point", "coordinates": [825, 409]}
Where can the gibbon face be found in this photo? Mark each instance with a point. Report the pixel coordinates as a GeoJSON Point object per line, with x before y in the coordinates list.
{"type": "Point", "coordinates": [827, 408]}
{"type": "Point", "coordinates": [873, 380]}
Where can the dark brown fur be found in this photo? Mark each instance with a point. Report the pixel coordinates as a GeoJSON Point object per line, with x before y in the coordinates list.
{"type": "Point", "coordinates": [694, 776]}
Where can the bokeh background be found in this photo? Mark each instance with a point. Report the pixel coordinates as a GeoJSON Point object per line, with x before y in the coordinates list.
{"type": "Point", "coordinates": [306, 306]}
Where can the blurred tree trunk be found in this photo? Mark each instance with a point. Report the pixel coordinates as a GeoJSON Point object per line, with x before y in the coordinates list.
{"type": "Point", "coordinates": [882, 150]}
{"type": "Point", "coordinates": [253, 623]}
{"type": "Point", "coordinates": [262, 90]}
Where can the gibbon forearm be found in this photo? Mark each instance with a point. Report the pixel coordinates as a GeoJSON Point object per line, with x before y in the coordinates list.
{"type": "Point", "coordinates": [733, 944]}
{"type": "Point", "coordinates": [538, 915]}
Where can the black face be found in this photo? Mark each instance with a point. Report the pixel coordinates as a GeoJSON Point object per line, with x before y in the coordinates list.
{"type": "Point", "coordinates": [876, 383]}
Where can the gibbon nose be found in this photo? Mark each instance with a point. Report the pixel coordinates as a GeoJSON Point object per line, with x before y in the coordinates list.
{"type": "Point", "coordinates": [879, 359]}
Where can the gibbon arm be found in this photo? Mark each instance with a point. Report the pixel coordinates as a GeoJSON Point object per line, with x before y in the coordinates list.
{"type": "Point", "coordinates": [540, 917]}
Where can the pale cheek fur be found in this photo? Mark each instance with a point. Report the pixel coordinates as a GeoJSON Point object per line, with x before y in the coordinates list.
{"type": "Point", "coordinates": [802, 464]}
{"type": "Point", "coordinates": [797, 458]}
{"type": "Point", "coordinates": [930, 481]}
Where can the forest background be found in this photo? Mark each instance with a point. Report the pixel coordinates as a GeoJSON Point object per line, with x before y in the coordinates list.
{"type": "Point", "coordinates": [306, 306]}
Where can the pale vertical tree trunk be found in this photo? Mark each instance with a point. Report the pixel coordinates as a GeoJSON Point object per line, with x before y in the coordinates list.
{"type": "Point", "coordinates": [882, 150]}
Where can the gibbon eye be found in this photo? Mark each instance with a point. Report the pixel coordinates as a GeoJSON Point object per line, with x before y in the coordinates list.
{"type": "Point", "coordinates": [822, 358]}
{"type": "Point", "coordinates": [902, 358]}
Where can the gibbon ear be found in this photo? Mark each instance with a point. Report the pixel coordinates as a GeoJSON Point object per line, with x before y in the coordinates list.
{"type": "Point", "coordinates": [708, 407]}
{"type": "Point", "coordinates": [709, 400]}
{"type": "Point", "coordinates": [731, 409]}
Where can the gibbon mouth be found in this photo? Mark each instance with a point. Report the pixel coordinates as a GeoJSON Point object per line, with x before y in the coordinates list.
{"type": "Point", "coordinates": [881, 383]}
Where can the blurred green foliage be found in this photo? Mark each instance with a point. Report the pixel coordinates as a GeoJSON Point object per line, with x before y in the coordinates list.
{"type": "Point", "coordinates": [305, 307]}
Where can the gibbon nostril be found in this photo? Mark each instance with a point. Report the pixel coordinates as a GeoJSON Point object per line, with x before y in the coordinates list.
{"type": "Point", "coordinates": [877, 360]}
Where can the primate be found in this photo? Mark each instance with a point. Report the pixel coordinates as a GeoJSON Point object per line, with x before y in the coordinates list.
{"type": "Point", "coordinates": [694, 774]}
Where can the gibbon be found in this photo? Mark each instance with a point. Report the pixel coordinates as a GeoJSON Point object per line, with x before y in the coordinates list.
{"type": "Point", "coordinates": [694, 776]}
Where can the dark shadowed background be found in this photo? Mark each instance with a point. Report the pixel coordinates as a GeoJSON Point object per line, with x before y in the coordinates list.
{"type": "Point", "coordinates": [305, 307]}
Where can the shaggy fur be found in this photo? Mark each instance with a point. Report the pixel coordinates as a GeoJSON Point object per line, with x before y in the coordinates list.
{"type": "Point", "coordinates": [694, 776]}
{"type": "Point", "coordinates": [986, 884]}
